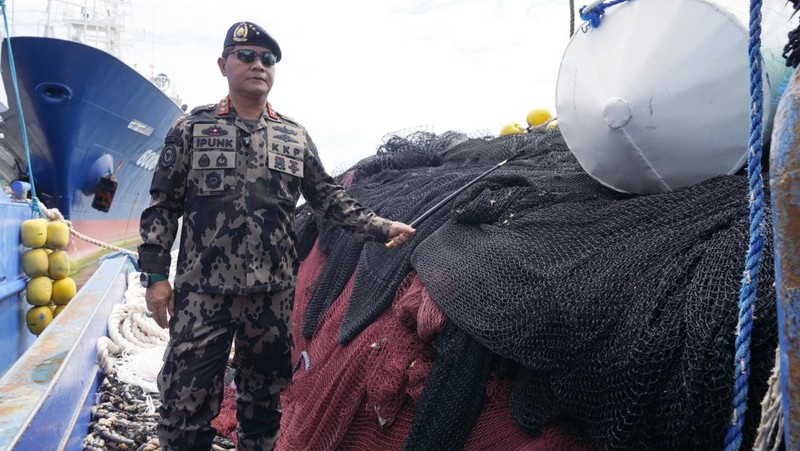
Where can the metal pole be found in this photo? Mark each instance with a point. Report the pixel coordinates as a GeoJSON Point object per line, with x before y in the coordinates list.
{"type": "Point", "coordinates": [452, 195]}
{"type": "Point", "coordinates": [785, 188]}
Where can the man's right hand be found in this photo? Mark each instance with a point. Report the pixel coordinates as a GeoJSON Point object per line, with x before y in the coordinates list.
{"type": "Point", "coordinates": [160, 302]}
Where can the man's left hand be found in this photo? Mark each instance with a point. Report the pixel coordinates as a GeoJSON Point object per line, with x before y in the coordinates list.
{"type": "Point", "coordinates": [400, 232]}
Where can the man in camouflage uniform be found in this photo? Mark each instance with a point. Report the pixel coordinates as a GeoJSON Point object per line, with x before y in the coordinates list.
{"type": "Point", "coordinates": [234, 171]}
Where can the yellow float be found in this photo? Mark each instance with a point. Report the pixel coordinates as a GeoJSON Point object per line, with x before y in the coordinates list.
{"type": "Point", "coordinates": [538, 116]}
{"type": "Point", "coordinates": [38, 318]}
{"type": "Point", "coordinates": [511, 128]}
{"type": "Point", "coordinates": [57, 235]}
{"type": "Point", "coordinates": [40, 290]}
{"type": "Point", "coordinates": [35, 262]}
{"type": "Point", "coordinates": [34, 232]}
{"type": "Point", "coordinates": [63, 291]}
{"type": "Point", "coordinates": [58, 263]}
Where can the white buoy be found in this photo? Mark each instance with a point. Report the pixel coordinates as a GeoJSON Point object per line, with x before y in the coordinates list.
{"type": "Point", "coordinates": [657, 98]}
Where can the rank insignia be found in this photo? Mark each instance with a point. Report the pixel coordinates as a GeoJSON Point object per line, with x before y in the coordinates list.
{"type": "Point", "coordinates": [224, 106]}
{"type": "Point", "coordinates": [271, 113]}
{"type": "Point", "coordinates": [222, 161]}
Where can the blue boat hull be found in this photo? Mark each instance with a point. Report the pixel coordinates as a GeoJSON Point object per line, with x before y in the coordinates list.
{"type": "Point", "coordinates": [86, 113]}
{"type": "Point", "coordinates": [14, 338]}
{"type": "Point", "coordinates": [46, 397]}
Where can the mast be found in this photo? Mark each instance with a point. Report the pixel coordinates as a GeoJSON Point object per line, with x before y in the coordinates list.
{"type": "Point", "coordinates": [48, 26]}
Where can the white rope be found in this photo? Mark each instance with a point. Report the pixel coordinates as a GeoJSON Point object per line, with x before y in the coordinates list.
{"type": "Point", "coordinates": [151, 406]}
{"type": "Point", "coordinates": [141, 369]}
{"type": "Point", "coordinates": [770, 430]}
{"type": "Point", "coordinates": [135, 344]}
{"type": "Point", "coordinates": [122, 332]}
{"type": "Point", "coordinates": [105, 349]}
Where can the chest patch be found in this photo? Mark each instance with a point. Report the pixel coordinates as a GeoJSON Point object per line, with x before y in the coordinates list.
{"type": "Point", "coordinates": [287, 140]}
{"type": "Point", "coordinates": [213, 159]}
{"type": "Point", "coordinates": [212, 181]}
{"type": "Point", "coordinates": [214, 136]}
{"type": "Point", "coordinates": [285, 164]}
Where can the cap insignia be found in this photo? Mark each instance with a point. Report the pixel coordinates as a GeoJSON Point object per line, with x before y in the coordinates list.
{"type": "Point", "coordinates": [240, 34]}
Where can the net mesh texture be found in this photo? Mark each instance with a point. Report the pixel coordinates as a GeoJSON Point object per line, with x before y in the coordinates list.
{"type": "Point", "coordinates": [563, 306]}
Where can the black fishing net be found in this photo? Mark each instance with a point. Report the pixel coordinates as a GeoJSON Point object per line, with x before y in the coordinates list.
{"type": "Point", "coordinates": [619, 311]}
{"type": "Point", "coordinates": [792, 49]}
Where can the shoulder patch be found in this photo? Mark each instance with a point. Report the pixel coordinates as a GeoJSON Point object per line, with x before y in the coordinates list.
{"type": "Point", "coordinates": [168, 155]}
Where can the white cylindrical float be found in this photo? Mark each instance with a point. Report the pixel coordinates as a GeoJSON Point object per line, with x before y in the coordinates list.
{"type": "Point", "coordinates": [657, 97]}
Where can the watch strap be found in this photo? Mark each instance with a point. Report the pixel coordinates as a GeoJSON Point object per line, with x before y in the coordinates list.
{"type": "Point", "coordinates": [155, 277]}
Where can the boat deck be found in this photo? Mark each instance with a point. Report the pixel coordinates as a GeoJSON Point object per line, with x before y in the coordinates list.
{"type": "Point", "coordinates": [46, 397]}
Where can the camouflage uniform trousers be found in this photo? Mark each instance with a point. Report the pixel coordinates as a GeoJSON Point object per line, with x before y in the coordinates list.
{"type": "Point", "coordinates": [191, 380]}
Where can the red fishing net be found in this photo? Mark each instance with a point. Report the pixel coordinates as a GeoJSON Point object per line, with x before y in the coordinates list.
{"type": "Point", "coordinates": [362, 396]}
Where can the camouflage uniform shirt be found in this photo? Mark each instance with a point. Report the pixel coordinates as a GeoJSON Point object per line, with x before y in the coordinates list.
{"type": "Point", "coordinates": [236, 186]}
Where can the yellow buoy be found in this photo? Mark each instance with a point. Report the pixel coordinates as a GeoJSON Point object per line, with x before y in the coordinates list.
{"type": "Point", "coordinates": [64, 290]}
{"type": "Point", "coordinates": [511, 128]}
{"type": "Point", "coordinates": [58, 265]}
{"type": "Point", "coordinates": [57, 235]}
{"type": "Point", "coordinates": [538, 116]}
{"type": "Point", "coordinates": [58, 310]}
{"type": "Point", "coordinates": [34, 232]}
{"type": "Point", "coordinates": [38, 318]}
{"type": "Point", "coordinates": [35, 262]}
{"type": "Point", "coordinates": [40, 289]}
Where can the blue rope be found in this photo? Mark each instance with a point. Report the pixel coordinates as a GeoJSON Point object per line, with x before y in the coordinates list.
{"type": "Point", "coordinates": [747, 295]}
{"type": "Point", "coordinates": [129, 255]}
{"type": "Point", "coordinates": [593, 15]}
{"type": "Point", "coordinates": [34, 199]}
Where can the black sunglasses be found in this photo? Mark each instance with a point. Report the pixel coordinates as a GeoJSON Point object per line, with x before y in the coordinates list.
{"type": "Point", "coordinates": [247, 56]}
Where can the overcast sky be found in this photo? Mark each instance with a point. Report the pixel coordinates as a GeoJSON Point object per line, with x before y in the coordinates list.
{"type": "Point", "coordinates": [354, 70]}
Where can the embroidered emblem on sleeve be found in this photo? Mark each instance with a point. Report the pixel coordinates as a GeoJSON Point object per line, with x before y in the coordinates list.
{"type": "Point", "coordinates": [168, 156]}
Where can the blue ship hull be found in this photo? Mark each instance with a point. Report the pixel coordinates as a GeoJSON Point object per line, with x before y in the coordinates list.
{"type": "Point", "coordinates": [86, 112]}
{"type": "Point", "coordinates": [88, 115]}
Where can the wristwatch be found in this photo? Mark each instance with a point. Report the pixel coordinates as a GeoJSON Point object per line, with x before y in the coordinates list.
{"type": "Point", "coordinates": [147, 279]}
